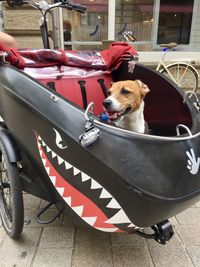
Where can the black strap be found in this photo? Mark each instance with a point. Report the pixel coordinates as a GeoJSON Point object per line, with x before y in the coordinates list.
{"type": "Point", "coordinates": [83, 92]}
{"type": "Point", "coordinates": [103, 87]}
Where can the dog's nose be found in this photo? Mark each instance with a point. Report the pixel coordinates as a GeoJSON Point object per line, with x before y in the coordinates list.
{"type": "Point", "coordinates": [107, 103]}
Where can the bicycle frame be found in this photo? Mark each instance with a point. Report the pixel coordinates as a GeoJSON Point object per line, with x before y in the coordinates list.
{"type": "Point", "coordinates": [44, 33]}
{"type": "Point", "coordinates": [161, 65]}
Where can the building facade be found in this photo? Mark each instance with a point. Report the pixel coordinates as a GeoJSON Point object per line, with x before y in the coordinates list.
{"type": "Point", "coordinates": [152, 21]}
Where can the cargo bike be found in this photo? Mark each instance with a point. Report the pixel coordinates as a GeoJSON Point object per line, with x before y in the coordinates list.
{"type": "Point", "coordinates": [55, 143]}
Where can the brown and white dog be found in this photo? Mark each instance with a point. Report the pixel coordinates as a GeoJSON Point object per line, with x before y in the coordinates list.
{"type": "Point", "coordinates": [125, 104]}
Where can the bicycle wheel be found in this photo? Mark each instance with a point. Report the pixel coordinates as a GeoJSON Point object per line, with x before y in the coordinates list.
{"type": "Point", "coordinates": [184, 76]}
{"type": "Point", "coordinates": [11, 198]}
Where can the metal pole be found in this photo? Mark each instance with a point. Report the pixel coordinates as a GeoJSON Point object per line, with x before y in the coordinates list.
{"type": "Point", "coordinates": [61, 37]}
{"type": "Point", "coordinates": [111, 19]}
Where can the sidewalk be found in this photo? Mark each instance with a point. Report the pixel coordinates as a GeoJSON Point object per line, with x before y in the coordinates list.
{"type": "Point", "coordinates": [61, 244]}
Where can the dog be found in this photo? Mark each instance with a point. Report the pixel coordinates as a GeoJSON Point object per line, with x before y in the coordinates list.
{"type": "Point", "coordinates": [125, 105]}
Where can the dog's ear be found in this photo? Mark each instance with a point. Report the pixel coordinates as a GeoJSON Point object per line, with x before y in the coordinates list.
{"type": "Point", "coordinates": [143, 87]}
{"type": "Point", "coordinates": [111, 84]}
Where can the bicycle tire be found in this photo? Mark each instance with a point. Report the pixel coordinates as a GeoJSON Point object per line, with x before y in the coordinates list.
{"type": "Point", "coordinates": [189, 79]}
{"type": "Point", "coordinates": [12, 214]}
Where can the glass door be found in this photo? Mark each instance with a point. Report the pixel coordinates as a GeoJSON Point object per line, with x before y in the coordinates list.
{"type": "Point", "coordinates": [135, 16]}
{"type": "Point", "coordinates": [86, 31]}
{"type": "Point", "coordinates": [175, 20]}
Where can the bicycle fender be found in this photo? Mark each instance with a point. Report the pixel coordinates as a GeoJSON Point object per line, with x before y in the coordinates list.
{"type": "Point", "coordinates": [10, 145]}
{"type": "Point", "coordinates": [183, 63]}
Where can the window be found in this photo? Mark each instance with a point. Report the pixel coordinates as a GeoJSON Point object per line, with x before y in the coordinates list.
{"type": "Point", "coordinates": [89, 28]}
{"type": "Point", "coordinates": [135, 16]}
{"type": "Point", "coordinates": [175, 21]}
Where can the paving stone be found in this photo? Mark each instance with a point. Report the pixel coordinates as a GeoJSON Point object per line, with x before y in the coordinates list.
{"type": "Point", "coordinates": [20, 252]}
{"type": "Point", "coordinates": [189, 217]}
{"type": "Point", "coordinates": [197, 204]}
{"type": "Point", "coordinates": [31, 202]}
{"type": "Point", "coordinates": [173, 254]}
{"type": "Point", "coordinates": [131, 256]}
{"type": "Point", "coordinates": [57, 237]}
{"type": "Point", "coordinates": [194, 252]}
{"type": "Point", "coordinates": [53, 257]}
{"type": "Point", "coordinates": [2, 234]}
{"type": "Point", "coordinates": [174, 221]}
{"type": "Point", "coordinates": [189, 235]}
{"type": "Point", "coordinates": [31, 214]}
{"type": "Point", "coordinates": [92, 249]}
{"type": "Point", "coordinates": [119, 239]}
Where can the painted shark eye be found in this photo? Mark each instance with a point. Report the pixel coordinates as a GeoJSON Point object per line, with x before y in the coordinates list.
{"type": "Point", "coordinates": [59, 140]}
{"type": "Point", "coordinates": [124, 91]}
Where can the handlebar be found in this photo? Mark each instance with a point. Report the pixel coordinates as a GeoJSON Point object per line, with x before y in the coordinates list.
{"type": "Point", "coordinates": [78, 7]}
{"type": "Point", "coordinates": [42, 5]}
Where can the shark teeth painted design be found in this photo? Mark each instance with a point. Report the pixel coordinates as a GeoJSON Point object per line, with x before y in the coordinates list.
{"type": "Point", "coordinates": [76, 171]}
{"type": "Point", "coordinates": [95, 185]}
{"type": "Point", "coordinates": [78, 210]}
{"type": "Point", "coordinates": [105, 194]}
{"type": "Point", "coordinates": [119, 217]}
{"type": "Point", "coordinates": [113, 204]}
{"type": "Point", "coordinates": [84, 177]}
{"type": "Point", "coordinates": [99, 221]}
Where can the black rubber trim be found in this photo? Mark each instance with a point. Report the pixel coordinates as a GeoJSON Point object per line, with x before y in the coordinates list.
{"type": "Point", "coordinates": [103, 87]}
{"type": "Point", "coordinates": [83, 92]}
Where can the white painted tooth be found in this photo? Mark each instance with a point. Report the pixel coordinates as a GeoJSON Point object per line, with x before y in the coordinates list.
{"type": "Point", "coordinates": [134, 226]}
{"type": "Point", "coordinates": [119, 217]}
{"type": "Point", "coordinates": [53, 179]}
{"type": "Point", "coordinates": [40, 151]}
{"type": "Point", "coordinates": [60, 190]}
{"type": "Point", "coordinates": [44, 161]}
{"type": "Point", "coordinates": [43, 143]}
{"type": "Point", "coordinates": [78, 210]}
{"type": "Point", "coordinates": [67, 165]}
{"type": "Point", "coordinates": [113, 204]}
{"type": "Point", "coordinates": [76, 171]}
{"type": "Point", "coordinates": [84, 177]}
{"type": "Point", "coordinates": [90, 220]}
{"type": "Point", "coordinates": [53, 154]}
{"type": "Point", "coordinates": [68, 200]}
{"type": "Point", "coordinates": [48, 149]}
{"type": "Point", "coordinates": [60, 160]}
{"type": "Point", "coordinates": [47, 170]}
{"type": "Point", "coordinates": [95, 185]}
{"type": "Point", "coordinates": [105, 194]}
{"type": "Point", "coordinates": [39, 145]}
{"type": "Point", "coordinates": [39, 138]}
{"type": "Point", "coordinates": [111, 230]}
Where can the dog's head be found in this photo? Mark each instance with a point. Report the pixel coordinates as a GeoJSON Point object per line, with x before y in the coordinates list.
{"type": "Point", "coordinates": [124, 97]}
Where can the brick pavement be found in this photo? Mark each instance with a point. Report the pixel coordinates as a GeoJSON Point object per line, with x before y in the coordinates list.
{"type": "Point", "coordinates": [61, 244]}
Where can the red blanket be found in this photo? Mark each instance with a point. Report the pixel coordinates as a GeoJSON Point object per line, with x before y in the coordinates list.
{"type": "Point", "coordinates": [13, 57]}
{"type": "Point", "coordinates": [107, 59]}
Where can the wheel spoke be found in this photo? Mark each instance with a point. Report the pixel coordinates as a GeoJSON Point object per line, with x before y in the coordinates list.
{"type": "Point", "coordinates": [183, 76]}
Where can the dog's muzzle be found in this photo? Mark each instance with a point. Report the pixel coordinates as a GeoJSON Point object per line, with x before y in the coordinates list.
{"type": "Point", "coordinates": [107, 103]}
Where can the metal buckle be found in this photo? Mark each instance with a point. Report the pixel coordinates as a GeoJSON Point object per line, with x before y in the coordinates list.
{"type": "Point", "coordinates": [189, 95]}
{"type": "Point", "coordinates": [3, 56]}
{"type": "Point", "coordinates": [91, 133]}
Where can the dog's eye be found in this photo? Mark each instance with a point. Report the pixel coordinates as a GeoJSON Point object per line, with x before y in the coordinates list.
{"type": "Point", "coordinates": [109, 93]}
{"type": "Point", "coordinates": [124, 91]}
